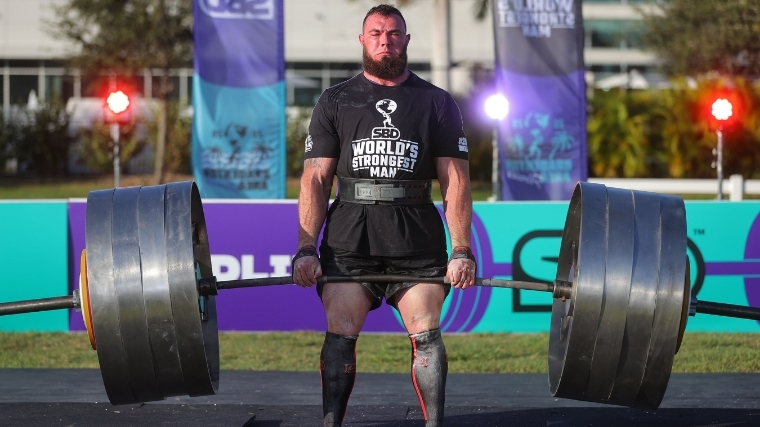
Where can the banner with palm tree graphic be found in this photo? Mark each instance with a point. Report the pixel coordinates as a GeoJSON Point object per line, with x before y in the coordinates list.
{"type": "Point", "coordinates": [539, 69]}
{"type": "Point", "coordinates": [239, 99]}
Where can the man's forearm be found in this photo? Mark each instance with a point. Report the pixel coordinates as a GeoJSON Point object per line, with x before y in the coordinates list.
{"type": "Point", "coordinates": [316, 184]}
{"type": "Point", "coordinates": [458, 212]}
{"type": "Point", "coordinates": [454, 177]}
{"type": "Point", "coordinates": [311, 215]}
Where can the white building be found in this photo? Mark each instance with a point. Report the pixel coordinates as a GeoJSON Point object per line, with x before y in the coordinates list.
{"type": "Point", "coordinates": [321, 47]}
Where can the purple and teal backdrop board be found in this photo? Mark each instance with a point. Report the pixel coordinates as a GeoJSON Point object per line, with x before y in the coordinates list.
{"type": "Point", "coordinates": [238, 147]}
{"type": "Point", "coordinates": [539, 69]}
{"type": "Point", "coordinates": [518, 240]}
{"type": "Point", "coordinates": [34, 261]}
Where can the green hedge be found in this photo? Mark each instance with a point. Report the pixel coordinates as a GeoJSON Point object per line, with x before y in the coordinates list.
{"type": "Point", "coordinates": [669, 133]}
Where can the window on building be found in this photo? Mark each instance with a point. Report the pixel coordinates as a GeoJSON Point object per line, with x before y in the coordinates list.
{"type": "Point", "coordinates": [21, 86]}
{"type": "Point", "coordinates": [190, 88]}
{"type": "Point", "coordinates": [23, 63]}
{"type": "Point", "coordinates": [614, 34]}
{"type": "Point", "coordinates": [156, 87]}
{"type": "Point", "coordinates": [54, 88]}
{"type": "Point", "coordinates": [603, 34]}
{"type": "Point", "coordinates": [633, 34]}
{"type": "Point", "coordinates": [306, 91]}
{"type": "Point", "coordinates": [605, 70]}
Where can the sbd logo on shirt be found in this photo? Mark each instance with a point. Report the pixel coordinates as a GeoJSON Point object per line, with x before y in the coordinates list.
{"type": "Point", "coordinates": [386, 107]}
{"type": "Point", "coordinates": [384, 153]}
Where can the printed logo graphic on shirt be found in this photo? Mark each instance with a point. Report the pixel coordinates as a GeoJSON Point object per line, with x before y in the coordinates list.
{"type": "Point", "coordinates": [386, 107]}
{"type": "Point", "coordinates": [384, 153]}
{"type": "Point", "coordinates": [463, 144]}
{"type": "Point", "coordinates": [309, 144]}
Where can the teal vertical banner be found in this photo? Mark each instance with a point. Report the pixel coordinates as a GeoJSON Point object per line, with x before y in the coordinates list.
{"type": "Point", "coordinates": [34, 259]}
{"type": "Point", "coordinates": [239, 148]}
{"type": "Point", "coordinates": [539, 68]}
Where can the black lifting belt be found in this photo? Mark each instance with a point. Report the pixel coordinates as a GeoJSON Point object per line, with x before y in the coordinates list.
{"type": "Point", "coordinates": [385, 191]}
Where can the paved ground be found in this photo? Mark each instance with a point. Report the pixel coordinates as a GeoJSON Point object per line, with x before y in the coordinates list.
{"type": "Point", "coordinates": [53, 397]}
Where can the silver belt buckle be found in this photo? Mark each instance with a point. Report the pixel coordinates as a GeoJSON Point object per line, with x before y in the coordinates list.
{"type": "Point", "coordinates": [377, 192]}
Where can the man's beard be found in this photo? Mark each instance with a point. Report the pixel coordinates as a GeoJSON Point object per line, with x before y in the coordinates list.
{"type": "Point", "coordinates": [387, 68]}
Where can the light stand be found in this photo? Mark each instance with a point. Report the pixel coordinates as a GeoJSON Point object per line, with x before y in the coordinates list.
{"type": "Point", "coordinates": [719, 162]}
{"type": "Point", "coordinates": [497, 108]}
{"type": "Point", "coordinates": [115, 133]}
{"type": "Point", "coordinates": [722, 110]}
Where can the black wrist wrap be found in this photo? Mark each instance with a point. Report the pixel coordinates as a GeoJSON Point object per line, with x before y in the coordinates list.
{"type": "Point", "coordinates": [462, 252]}
{"type": "Point", "coordinates": [305, 251]}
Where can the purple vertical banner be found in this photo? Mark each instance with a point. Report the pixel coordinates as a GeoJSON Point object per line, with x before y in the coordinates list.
{"type": "Point", "coordinates": [238, 147]}
{"type": "Point", "coordinates": [539, 69]}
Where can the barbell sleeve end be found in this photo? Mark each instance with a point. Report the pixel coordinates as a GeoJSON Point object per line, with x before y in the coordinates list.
{"type": "Point", "coordinates": [517, 284]}
{"type": "Point", "coordinates": [35, 305]}
{"type": "Point", "coordinates": [727, 310]}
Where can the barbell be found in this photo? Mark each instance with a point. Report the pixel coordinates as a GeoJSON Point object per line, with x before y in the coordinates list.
{"type": "Point", "coordinates": [621, 297]}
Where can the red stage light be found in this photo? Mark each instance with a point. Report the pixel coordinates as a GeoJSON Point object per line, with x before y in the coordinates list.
{"type": "Point", "coordinates": [722, 109]}
{"type": "Point", "coordinates": [117, 107]}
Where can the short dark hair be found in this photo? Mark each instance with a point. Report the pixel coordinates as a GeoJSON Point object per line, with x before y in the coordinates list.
{"type": "Point", "coordinates": [383, 10]}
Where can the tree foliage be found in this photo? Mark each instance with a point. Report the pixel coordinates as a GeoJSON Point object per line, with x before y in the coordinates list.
{"type": "Point", "coordinates": [123, 37]}
{"type": "Point", "coordinates": [668, 133]}
{"type": "Point", "coordinates": [695, 37]}
{"type": "Point", "coordinates": [96, 151]}
{"type": "Point", "coordinates": [179, 138]}
{"type": "Point", "coordinates": [38, 140]}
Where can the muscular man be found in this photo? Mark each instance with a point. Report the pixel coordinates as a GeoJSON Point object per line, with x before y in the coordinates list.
{"type": "Point", "coordinates": [386, 134]}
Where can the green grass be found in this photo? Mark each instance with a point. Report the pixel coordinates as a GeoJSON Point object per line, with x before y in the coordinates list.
{"type": "Point", "coordinates": [73, 187]}
{"type": "Point", "coordinates": [299, 351]}
{"type": "Point", "coordinates": [19, 190]}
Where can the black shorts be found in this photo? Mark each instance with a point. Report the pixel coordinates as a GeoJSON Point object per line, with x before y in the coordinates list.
{"type": "Point", "coordinates": [337, 262]}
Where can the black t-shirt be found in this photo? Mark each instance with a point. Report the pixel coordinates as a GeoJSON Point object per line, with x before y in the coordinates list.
{"type": "Point", "coordinates": [385, 132]}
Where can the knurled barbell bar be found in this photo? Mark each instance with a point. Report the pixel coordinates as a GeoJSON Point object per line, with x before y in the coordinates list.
{"type": "Point", "coordinates": [621, 294]}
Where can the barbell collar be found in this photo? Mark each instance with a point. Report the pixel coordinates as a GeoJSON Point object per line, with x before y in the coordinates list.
{"type": "Point", "coordinates": [35, 305]}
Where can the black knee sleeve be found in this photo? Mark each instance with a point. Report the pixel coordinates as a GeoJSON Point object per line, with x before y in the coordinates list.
{"type": "Point", "coordinates": [429, 368]}
{"type": "Point", "coordinates": [338, 372]}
